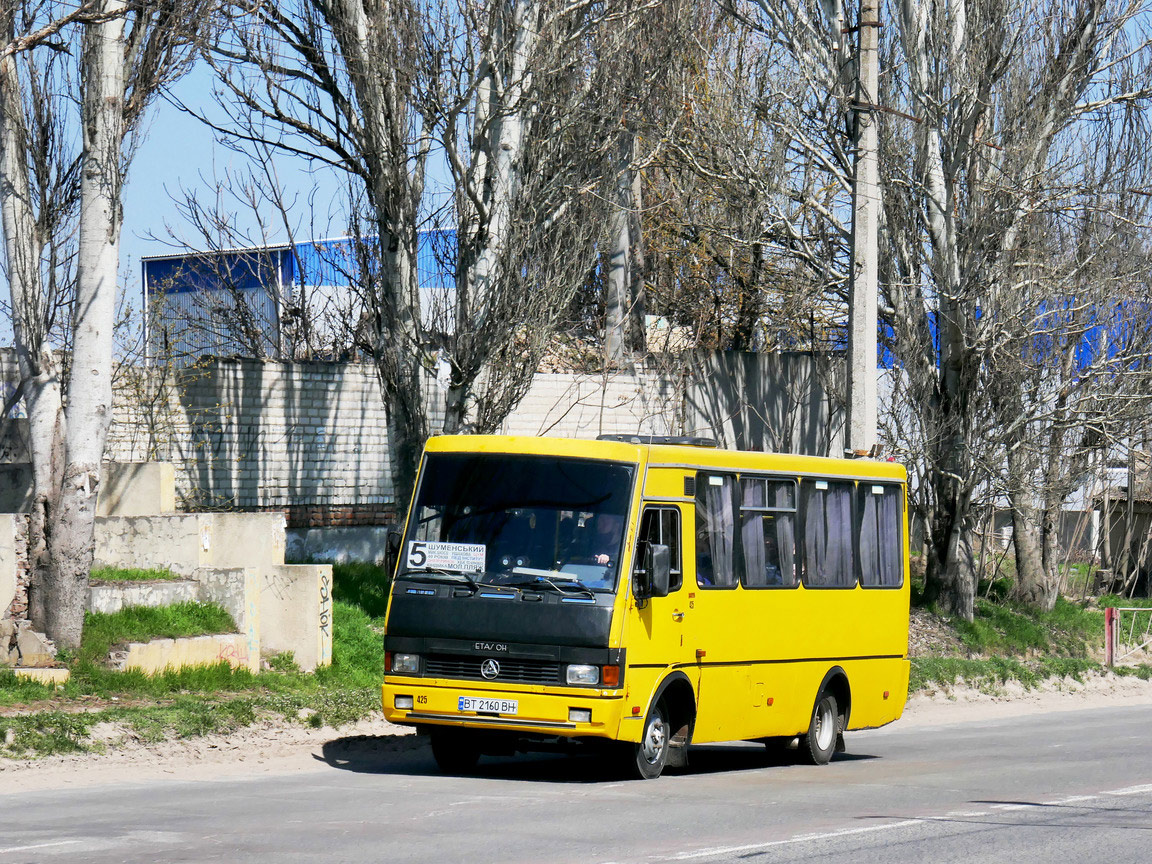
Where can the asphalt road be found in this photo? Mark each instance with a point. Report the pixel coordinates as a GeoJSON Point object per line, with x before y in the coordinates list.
{"type": "Point", "coordinates": [1062, 787]}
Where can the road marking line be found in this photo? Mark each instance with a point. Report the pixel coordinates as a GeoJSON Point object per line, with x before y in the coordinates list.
{"type": "Point", "coordinates": [800, 838]}
{"type": "Point", "coordinates": [829, 835]}
{"type": "Point", "coordinates": [1131, 790]}
{"type": "Point", "coordinates": [37, 846]}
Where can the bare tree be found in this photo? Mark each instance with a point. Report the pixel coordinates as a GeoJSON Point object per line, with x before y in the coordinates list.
{"type": "Point", "coordinates": [123, 54]}
{"type": "Point", "coordinates": [650, 53]}
{"type": "Point", "coordinates": [982, 102]}
{"type": "Point", "coordinates": [998, 91]}
{"type": "Point", "coordinates": [750, 199]}
{"type": "Point", "coordinates": [503, 98]}
{"type": "Point", "coordinates": [1075, 377]}
{"type": "Point", "coordinates": [39, 195]}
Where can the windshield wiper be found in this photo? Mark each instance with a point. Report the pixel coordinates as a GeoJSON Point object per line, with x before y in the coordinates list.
{"type": "Point", "coordinates": [561, 586]}
{"type": "Point", "coordinates": [427, 572]}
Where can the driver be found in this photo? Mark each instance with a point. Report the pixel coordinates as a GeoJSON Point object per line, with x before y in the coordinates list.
{"type": "Point", "coordinates": [599, 539]}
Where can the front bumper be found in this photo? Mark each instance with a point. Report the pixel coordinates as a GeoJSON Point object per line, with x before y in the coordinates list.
{"type": "Point", "coordinates": [540, 710]}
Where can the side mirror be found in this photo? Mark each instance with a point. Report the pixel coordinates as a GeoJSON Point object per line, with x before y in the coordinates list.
{"type": "Point", "coordinates": [392, 540]}
{"type": "Point", "coordinates": [658, 567]}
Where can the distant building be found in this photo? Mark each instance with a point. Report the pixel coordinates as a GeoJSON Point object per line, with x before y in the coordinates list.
{"type": "Point", "coordinates": [277, 302]}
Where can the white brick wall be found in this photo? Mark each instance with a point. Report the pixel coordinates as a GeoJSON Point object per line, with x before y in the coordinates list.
{"type": "Point", "coordinates": [248, 433]}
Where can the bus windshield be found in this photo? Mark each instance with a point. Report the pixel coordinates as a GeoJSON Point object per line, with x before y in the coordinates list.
{"type": "Point", "coordinates": [525, 521]}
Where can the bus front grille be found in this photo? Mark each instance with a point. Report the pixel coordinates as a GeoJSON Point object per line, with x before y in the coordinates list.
{"type": "Point", "coordinates": [511, 671]}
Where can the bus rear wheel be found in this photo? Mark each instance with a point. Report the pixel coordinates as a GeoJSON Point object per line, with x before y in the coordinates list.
{"type": "Point", "coordinates": [650, 755]}
{"type": "Point", "coordinates": [454, 753]}
{"type": "Point", "coordinates": [819, 743]}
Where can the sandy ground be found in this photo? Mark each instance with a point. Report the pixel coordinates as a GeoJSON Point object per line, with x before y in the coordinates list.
{"type": "Point", "coordinates": [273, 749]}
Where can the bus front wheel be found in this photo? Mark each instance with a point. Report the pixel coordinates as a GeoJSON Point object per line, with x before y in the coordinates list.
{"type": "Point", "coordinates": [454, 753]}
{"type": "Point", "coordinates": [819, 743]}
{"type": "Point", "coordinates": [651, 753]}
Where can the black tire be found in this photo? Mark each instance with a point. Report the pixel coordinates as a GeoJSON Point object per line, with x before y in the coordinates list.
{"type": "Point", "coordinates": [819, 742]}
{"type": "Point", "coordinates": [454, 753]}
{"type": "Point", "coordinates": [650, 755]}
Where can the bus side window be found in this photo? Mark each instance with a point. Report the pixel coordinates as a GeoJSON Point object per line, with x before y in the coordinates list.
{"type": "Point", "coordinates": [662, 525]}
{"type": "Point", "coordinates": [768, 532]}
{"type": "Point", "coordinates": [880, 510]}
{"type": "Point", "coordinates": [827, 560]}
{"type": "Point", "coordinates": [717, 561]}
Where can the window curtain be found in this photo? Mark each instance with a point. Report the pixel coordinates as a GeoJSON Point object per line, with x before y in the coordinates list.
{"type": "Point", "coordinates": [786, 535]}
{"type": "Point", "coordinates": [891, 542]}
{"type": "Point", "coordinates": [716, 536]}
{"type": "Point", "coordinates": [752, 535]}
{"type": "Point", "coordinates": [869, 539]}
{"type": "Point", "coordinates": [815, 535]}
{"type": "Point", "coordinates": [841, 566]}
{"type": "Point", "coordinates": [828, 560]}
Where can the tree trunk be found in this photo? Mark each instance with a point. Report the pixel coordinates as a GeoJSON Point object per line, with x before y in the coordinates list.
{"type": "Point", "coordinates": [959, 585]}
{"type": "Point", "coordinates": [624, 292]}
{"type": "Point", "coordinates": [616, 292]}
{"type": "Point", "coordinates": [398, 354]}
{"type": "Point", "coordinates": [40, 384]}
{"type": "Point", "coordinates": [1033, 581]}
{"type": "Point", "coordinates": [1034, 584]}
{"type": "Point", "coordinates": [89, 409]}
{"type": "Point", "coordinates": [950, 576]}
{"type": "Point", "coordinates": [46, 435]}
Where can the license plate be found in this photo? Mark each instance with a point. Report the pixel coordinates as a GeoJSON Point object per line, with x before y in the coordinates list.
{"type": "Point", "coordinates": [488, 706]}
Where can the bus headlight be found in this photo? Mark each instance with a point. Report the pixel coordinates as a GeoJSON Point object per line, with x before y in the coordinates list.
{"type": "Point", "coordinates": [580, 673]}
{"type": "Point", "coordinates": [406, 663]}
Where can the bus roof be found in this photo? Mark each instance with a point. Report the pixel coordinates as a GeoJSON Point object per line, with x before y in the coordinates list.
{"type": "Point", "coordinates": [681, 455]}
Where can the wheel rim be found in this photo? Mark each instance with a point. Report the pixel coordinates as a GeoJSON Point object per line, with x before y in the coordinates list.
{"type": "Point", "coordinates": [825, 725]}
{"type": "Point", "coordinates": [655, 739]}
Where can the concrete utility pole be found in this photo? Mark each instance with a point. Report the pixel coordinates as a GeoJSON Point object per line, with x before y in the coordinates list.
{"type": "Point", "coordinates": [863, 290]}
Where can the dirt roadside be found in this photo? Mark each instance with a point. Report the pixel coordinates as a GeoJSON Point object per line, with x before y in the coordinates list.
{"type": "Point", "coordinates": [282, 748]}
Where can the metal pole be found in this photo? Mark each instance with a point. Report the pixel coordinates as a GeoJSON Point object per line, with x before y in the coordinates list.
{"type": "Point", "coordinates": [863, 289]}
{"type": "Point", "coordinates": [1109, 636]}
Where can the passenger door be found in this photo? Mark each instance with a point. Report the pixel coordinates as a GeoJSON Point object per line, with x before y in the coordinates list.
{"type": "Point", "coordinates": [660, 627]}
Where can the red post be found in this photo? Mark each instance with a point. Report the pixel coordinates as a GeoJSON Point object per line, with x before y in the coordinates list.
{"type": "Point", "coordinates": [1110, 617]}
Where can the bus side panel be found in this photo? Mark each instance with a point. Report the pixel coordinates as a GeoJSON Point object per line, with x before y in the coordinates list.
{"type": "Point", "coordinates": [639, 688]}
{"type": "Point", "coordinates": [750, 701]}
{"type": "Point", "coordinates": [786, 641]}
{"type": "Point", "coordinates": [870, 681]}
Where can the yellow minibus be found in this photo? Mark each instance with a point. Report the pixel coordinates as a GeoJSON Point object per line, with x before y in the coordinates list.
{"type": "Point", "coordinates": [644, 594]}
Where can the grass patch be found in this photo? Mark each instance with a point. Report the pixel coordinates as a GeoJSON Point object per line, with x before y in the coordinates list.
{"type": "Point", "coordinates": [187, 717]}
{"type": "Point", "coordinates": [195, 701]}
{"type": "Point", "coordinates": [1009, 628]}
{"type": "Point", "coordinates": [14, 691]}
{"type": "Point", "coordinates": [45, 733]}
{"type": "Point", "coordinates": [994, 672]}
{"type": "Point", "coordinates": [1125, 602]}
{"type": "Point", "coordinates": [1143, 671]}
{"type": "Point", "coordinates": [362, 584]}
{"type": "Point", "coordinates": [133, 574]}
{"type": "Point", "coordinates": [140, 623]}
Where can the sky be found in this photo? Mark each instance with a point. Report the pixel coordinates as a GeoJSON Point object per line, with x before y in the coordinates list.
{"type": "Point", "coordinates": [178, 152]}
